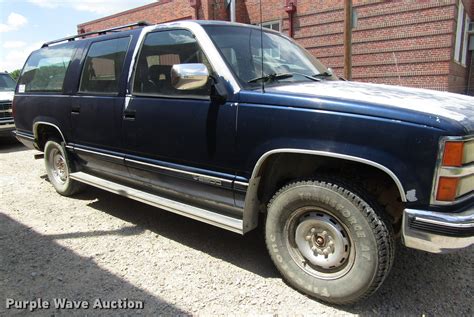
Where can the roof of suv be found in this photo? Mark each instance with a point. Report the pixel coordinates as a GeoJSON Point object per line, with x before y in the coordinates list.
{"type": "Point", "coordinates": [140, 25]}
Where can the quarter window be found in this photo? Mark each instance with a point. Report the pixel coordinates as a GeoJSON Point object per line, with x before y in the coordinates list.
{"type": "Point", "coordinates": [160, 51]}
{"type": "Point", "coordinates": [46, 69]}
{"type": "Point", "coordinates": [103, 66]}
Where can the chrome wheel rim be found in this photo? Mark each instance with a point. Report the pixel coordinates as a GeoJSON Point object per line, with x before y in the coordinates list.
{"type": "Point", "coordinates": [319, 243]}
{"type": "Point", "coordinates": [58, 166]}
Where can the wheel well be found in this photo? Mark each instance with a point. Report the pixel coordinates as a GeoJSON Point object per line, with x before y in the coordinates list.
{"type": "Point", "coordinates": [45, 132]}
{"type": "Point", "coordinates": [282, 168]}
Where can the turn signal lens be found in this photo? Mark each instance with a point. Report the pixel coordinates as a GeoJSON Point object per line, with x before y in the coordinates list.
{"type": "Point", "coordinates": [453, 154]}
{"type": "Point", "coordinates": [447, 189]}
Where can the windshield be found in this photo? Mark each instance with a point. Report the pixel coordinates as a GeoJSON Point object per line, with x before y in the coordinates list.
{"type": "Point", "coordinates": [242, 50]}
{"type": "Point", "coordinates": [7, 83]}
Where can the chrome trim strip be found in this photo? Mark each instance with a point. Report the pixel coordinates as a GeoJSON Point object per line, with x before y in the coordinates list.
{"type": "Point", "coordinates": [444, 223]}
{"type": "Point", "coordinates": [6, 126]}
{"type": "Point", "coordinates": [139, 43]}
{"type": "Point", "coordinates": [433, 242]}
{"type": "Point", "coordinates": [35, 129]}
{"type": "Point", "coordinates": [241, 183]}
{"type": "Point", "coordinates": [204, 215]}
{"type": "Point", "coordinates": [457, 171]}
{"type": "Point", "coordinates": [252, 205]}
{"type": "Point", "coordinates": [447, 171]}
{"type": "Point", "coordinates": [241, 187]}
{"type": "Point", "coordinates": [195, 176]}
{"type": "Point", "coordinates": [331, 154]}
{"type": "Point", "coordinates": [23, 135]}
{"type": "Point", "coordinates": [206, 179]}
{"type": "Point", "coordinates": [98, 153]}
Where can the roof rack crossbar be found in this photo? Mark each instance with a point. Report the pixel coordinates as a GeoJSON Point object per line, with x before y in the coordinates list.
{"type": "Point", "coordinates": [100, 32]}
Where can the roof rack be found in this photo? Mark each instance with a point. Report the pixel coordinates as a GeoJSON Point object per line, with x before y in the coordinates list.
{"type": "Point", "coordinates": [101, 32]}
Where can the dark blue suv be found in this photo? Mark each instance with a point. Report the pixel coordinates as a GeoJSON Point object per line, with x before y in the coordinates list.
{"type": "Point", "coordinates": [239, 127]}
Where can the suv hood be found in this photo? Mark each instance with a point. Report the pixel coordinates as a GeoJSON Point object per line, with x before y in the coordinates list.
{"type": "Point", "coordinates": [435, 104]}
{"type": "Point", "coordinates": [6, 95]}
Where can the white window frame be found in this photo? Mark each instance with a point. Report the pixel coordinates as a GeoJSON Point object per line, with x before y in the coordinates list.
{"type": "Point", "coordinates": [268, 25]}
{"type": "Point", "coordinates": [459, 33]}
{"type": "Point", "coordinates": [465, 47]}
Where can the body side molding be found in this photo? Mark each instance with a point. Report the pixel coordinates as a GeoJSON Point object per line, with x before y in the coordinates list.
{"type": "Point", "coordinates": [251, 206]}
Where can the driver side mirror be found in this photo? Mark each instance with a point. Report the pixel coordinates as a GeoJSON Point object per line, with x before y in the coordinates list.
{"type": "Point", "coordinates": [189, 76]}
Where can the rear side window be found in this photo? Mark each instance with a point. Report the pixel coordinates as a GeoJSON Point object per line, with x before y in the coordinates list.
{"type": "Point", "coordinates": [46, 69]}
{"type": "Point", "coordinates": [103, 66]}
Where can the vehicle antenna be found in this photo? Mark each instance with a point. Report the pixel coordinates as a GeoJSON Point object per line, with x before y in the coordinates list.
{"type": "Point", "coordinates": [261, 45]}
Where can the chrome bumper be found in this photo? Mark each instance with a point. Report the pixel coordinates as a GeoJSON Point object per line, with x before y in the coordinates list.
{"type": "Point", "coordinates": [7, 125]}
{"type": "Point", "coordinates": [438, 232]}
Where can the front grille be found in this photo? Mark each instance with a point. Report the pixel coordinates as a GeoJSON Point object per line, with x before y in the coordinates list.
{"type": "Point", "coordinates": [5, 109]}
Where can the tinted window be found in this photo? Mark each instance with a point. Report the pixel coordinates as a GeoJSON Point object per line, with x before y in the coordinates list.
{"type": "Point", "coordinates": [103, 66]}
{"type": "Point", "coordinates": [160, 51]}
{"type": "Point", "coordinates": [46, 68]}
{"type": "Point", "coordinates": [242, 48]}
{"type": "Point", "coordinates": [6, 83]}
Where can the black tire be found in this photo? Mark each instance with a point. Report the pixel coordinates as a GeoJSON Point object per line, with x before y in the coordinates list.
{"type": "Point", "coordinates": [327, 241]}
{"type": "Point", "coordinates": [59, 177]}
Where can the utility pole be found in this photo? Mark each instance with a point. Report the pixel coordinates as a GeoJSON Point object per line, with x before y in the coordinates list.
{"type": "Point", "coordinates": [348, 39]}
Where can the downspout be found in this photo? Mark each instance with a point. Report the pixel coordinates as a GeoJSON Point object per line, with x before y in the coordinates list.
{"type": "Point", "coordinates": [290, 8]}
{"type": "Point", "coordinates": [195, 4]}
{"type": "Point", "coordinates": [470, 90]}
{"type": "Point", "coordinates": [232, 10]}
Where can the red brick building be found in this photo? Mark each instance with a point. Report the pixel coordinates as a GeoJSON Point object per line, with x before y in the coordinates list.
{"type": "Point", "coordinates": [410, 43]}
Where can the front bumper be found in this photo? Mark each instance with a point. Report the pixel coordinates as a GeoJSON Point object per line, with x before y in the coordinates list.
{"type": "Point", "coordinates": [6, 126]}
{"type": "Point", "coordinates": [438, 232]}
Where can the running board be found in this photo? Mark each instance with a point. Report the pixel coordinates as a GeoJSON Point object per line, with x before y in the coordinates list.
{"type": "Point", "coordinates": [210, 217]}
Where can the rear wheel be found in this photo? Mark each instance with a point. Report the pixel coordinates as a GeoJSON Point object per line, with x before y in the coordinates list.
{"type": "Point", "coordinates": [327, 241]}
{"type": "Point", "coordinates": [59, 169]}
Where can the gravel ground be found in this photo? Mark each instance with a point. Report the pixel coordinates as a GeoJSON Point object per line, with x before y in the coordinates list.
{"type": "Point", "coordinates": [99, 245]}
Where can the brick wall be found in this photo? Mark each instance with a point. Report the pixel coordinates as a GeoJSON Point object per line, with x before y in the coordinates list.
{"type": "Point", "coordinates": [405, 43]}
{"type": "Point", "coordinates": [409, 43]}
{"type": "Point", "coordinates": [159, 12]}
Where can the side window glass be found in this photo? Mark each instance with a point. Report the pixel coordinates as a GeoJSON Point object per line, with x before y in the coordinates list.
{"type": "Point", "coordinates": [160, 51]}
{"type": "Point", "coordinates": [103, 66]}
{"type": "Point", "coordinates": [46, 69]}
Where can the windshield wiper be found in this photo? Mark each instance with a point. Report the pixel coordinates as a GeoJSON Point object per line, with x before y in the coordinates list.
{"type": "Point", "coordinates": [275, 76]}
{"type": "Point", "coordinates": [271, 77]}
{"type": "Point", "coordinates": [325, 74]}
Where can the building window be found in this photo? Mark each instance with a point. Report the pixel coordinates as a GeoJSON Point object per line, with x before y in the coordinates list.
{"type": "Point", "coordinates": [462, 29]}
{"type": "Point", "coordinates": [272, 25]}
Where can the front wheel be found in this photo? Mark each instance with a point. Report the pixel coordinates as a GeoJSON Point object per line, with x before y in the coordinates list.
{"type": "Point", "coordinates": [327, 241]}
